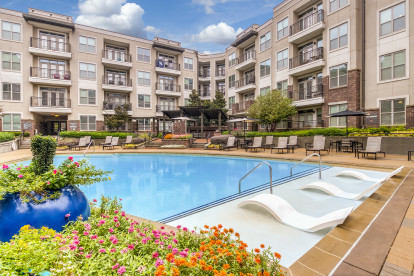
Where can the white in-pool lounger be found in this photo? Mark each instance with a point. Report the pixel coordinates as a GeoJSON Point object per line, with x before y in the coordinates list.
{"type": "Point", "coordinates": [363, 176]}
{"type": "Point", "coordinates": [285, 213]}
{"type": "Point", "coordinates": [335, 191]}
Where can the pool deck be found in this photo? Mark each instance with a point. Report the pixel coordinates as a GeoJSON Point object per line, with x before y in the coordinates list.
{"type": "Point", "coordinates": [376, 239]}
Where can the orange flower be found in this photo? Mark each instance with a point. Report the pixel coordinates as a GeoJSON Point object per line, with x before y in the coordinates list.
{"type": "Point", "coordinates": [231, 230]}
{"type": "Point", "coordinates": [160, 271]}
{"type": "Point", "coordinates": [257, 260]}
{"type": "Point", "coordinates": [262, 246]}
{"type": "Point", "coordinates": [237, 235]}
{"type": "Point", "coordinates": [257, 250]}
{"type": "Point", "coordinates": [206, 226]}
{"type": "Point", "coordinates": [175, 271]}
{"type": "Point", "coordinates": [226, 266]}
{"type": "Point", "coordinates": [220, 226]}
{"type": "Point", "coordinates": [277, 255]}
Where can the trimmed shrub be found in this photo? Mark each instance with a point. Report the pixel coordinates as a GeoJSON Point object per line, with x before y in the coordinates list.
{"type": "Point", "coordinates": [94, 134]}
{"type": "Point", "coordinates": [6, 136]}
{"type": "Point", "coordinates": [17, 133]}
{"type": "Point", "coordinates": [43, 150]}
{"type": "Point", "coordinates": [220, 140]}
{"type": "Point", "coordinates": [137, 140]}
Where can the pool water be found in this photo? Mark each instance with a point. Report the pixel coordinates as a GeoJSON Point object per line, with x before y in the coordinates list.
{"type": "Point", "coordinates": [159, 186]}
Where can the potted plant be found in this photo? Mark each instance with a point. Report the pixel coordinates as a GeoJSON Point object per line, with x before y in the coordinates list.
{"type": "Point", "coordinates": [44, 194]}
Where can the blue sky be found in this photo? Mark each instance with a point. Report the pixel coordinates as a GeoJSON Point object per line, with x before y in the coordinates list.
{"type": "Point", "coordinates": [204, 25]}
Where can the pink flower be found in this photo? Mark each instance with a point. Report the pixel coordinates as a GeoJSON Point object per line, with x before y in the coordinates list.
{"type": "Point", "coordinates": [155, 255]}
{"type": "Point", "coordinates": [94, 237]}
{"type": "Point", "coordinates": [121, 270]}
{"type": "Point", "coordinates": [123, 213]}
{"type": "Point", "coordinates": [80, 248]}
{"type": "Point", "coordinates": [54, 171]}
{"type": "Point", "coordinates": [20, 176]}
{"type": "Point", "coordinates": [77, 164]}
{"type": "Point", "coordinates": [183, 254]}
{"type": "Point", "coordinates": [88, 256]}
{"type": "Point", "coordinates": [185, 229]}
{"type": "Point", "coordinates": [115, 266]}
{"type": "Point", "coordinates": [179, 227]}
{"type": "Point", "coordinates": [74, 232]}
{"type": "Point", "coordinates": [101, 222]}
{"type": "Point", "coordinates": [114, 241]}
{"type": "Point", "coordinates": [113, 250]}
{"type": "Point", "coordinates": [5, 167]}
{"type": "Point", "coordinates": [131, 229]}
{"type": "Point", "coordinates": [67, 215]}
{"type": "Point", "coordinates": [86, 233]}
{"type": "Point", "coordinates": [70, 158]}
{"type": "Point", "coordinates": [87, 226]}
{"type": "Point", "coordinates": [102, 250]}
{"type": "Point", "coordinates": [175, 241]}
{"type": "Point", "coordinates": [174, 251]}
{"type": "Point", "coordinates": [111, 230]}
{"type": "Point", "coordinates": [101, 241]}
{"type": "Point", "coordinates": [169, 246]}
{"type": "Point", "coordinates": [94, 200]}
{"type": "Point", "coordinates": [131, 246]}
{"type": "Point", "coordinates": [48, 182]}
{"type": "Point", "coordinates": [18, 168]}
{"type": "Point", "coordinates": [158, 262]}
{"type": "Point", "coordinates": [112, 237]}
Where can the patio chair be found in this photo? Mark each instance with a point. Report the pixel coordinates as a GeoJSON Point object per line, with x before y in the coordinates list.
{"type": "Point", "coordinates": [346, 145]}
{"type": "Point", "coordinates": [230, 144]}
{"type": "Point", "coordinates": [373, 147]}
{"type": "Point", "coordinates": [108, 140]}
{"type": "Point", "coordinates": [293, 141]}
{"type": "Point", "coordinates": [268, 142]}
{"type": "Point", "coordinates": [88, 139]}
{"type": "Point", "coordinates": [82, 144]}
{"type": "Point", "coordinates": [282, 144]}
{"type": "Point", "coordinates": [257, 144]}
{"type": "Point", "coordinates": [318, 145]}
{"type": "Point", "coordinates": [128, 140]}
{"type": "Point", "coordinates": [113, 144]}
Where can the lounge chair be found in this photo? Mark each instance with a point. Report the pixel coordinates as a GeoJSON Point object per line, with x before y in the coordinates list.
{"type": "Point", "coordinates": [335, 191]}
{"type": "Point", "coordinates": [230, 144]}
{"type": "Point", "coordinates": [268, 142]}
{"type": "Point", "coordinates": [285, 213]}
{"type": "Point", "coordinates": [113, 144]}
{"type": "Point", "coordinates": [373, 147]}
{"type": "Point", "coordinates": [363, 176]}
{"type": "Point", "coordinates": [318, 145]}
{"type": "Point", "coordinates": [88, 139]}
{"type": "Point", "coordinates": [281, 145]}
{"type": "Point", "coordinates": [128, 140]}
{"type": "Point", "coordinates": [257, 144]}
{"type": "Point", "coordinates": [293, 141]}
{"type": "Point", "coordinates": [108, 140]}
{"type": "Point", "coordinates": [81, 144]}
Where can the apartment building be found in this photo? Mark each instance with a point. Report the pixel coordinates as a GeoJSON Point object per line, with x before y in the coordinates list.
{"type": "Point", "coordinates": [326, 55]}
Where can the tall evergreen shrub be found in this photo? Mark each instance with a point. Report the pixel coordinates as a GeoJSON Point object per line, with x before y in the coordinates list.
{"type": "Point", "coordinates": [43, 150]}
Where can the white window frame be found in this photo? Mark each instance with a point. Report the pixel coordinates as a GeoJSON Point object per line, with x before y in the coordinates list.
{"type": "Point", "coordinates": [283, 91]}
{"type": "Point", "coordinates": [232, 100]}
{"type": "Point", "coordinates": [11, 32]}
{"type": "Point", "coordinates": [187, 86]}
{"type": "Point", "coordinates": [283, 59]}
{"type": "Point", "coordinates": [87, 71]}
{"type": "Point", "coordinates": [149, 57]}
{"type": "Point", "coordinates": [267, 68]}
{"type": "Point", "coordinates": [11, 61]}
{"type": "Point", "coordinates": [284, 29]}
{"type": "Point", "coordinates": [392, 111]}
{"type": "Point", "coordinates": [146, 96]}
{"type": "Point", "coordinates": [231, 59]}
{"type": "Point", "coordinates": [11, 92]}
{"type": "Point", "coordinates": [264, 90]}
{"type": "Point", "coordinates": [338, 76]}
{"type": "Point", "coordinates": [340, 5]}
{"type": "Point", "coordinates": [267, 43]}
{"type": "Point", "coordinates": [232, 82]}
{"type": "Point", "coordinates": [88, 98]}
{"type": "Point", "coordinates": [393, 78]}
{"type": "Point", "coordinates": [88, 123]}
{"type": "Point", "coordinates": [187, 63]}
{"type": "Point", "coordinates": [144, 79]}
{"type": "Point", "coordinates": [337, 119]}
{"type": "Point", "coordinates": [11, 121]}
{"type": "Point", "coordinates": [392, 19]}
{"type": "Point", "coordinates": [147, 127]}
{"type": "Point", "coordinates": [87, 44]}
{"type": "Point", "coordinates": [338, 27]}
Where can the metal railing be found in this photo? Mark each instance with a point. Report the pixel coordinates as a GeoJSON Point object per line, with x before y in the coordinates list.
{"type": "Point", "coordinates": [52, 45]}
{"type": "Point", "coordinates": [112, 106]}
{"type": "Point", "coordinates": [306, 57]}
{"type": "Point", "coordinates": [116, 55]}
{"type": "Point", "coordinates": [306, 158]}
{"type": "Point", "coordinates": [220, 72]}
{"type": "Point", "coordinates": [116, 81]}
{"type": "Point", "coordinates": [307, 93]}
{"type": "Point", "coordinates": [89, 145]}
{"type": "Point", "coordinates": [246, 81]}
{"type": "Point", "coordinates": [306, 22]}
{"type": "Point", "coordinates": [270, 176]}
{"type": "Point", "coordinates": [249, 55]}
{"type": "Point", "coordinates": [167, 65]}
{"type": "Point", "coordinates": [167, 87]}
{"type": "Point", "coordinates": [204, 93]}
{"type": "Point", "coordinates": [47, 73]}
{"type": "Point", "coordinates": [50, 102]}
{"type": "Point", "coordinates": [204, 74]}
{"type": "Point", "coordinates": [165, 107]}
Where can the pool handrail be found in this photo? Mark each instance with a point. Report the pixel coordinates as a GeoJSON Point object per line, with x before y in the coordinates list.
{"type": "Point", "coordinates": [90, 143]}
{"type": "Point", "coordinates": [270, 175]}
{"type": "Point", "coordinates": [306, 158]}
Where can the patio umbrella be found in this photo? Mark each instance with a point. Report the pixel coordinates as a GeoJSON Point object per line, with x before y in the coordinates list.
{"type": "Point", "coordinates": [184, 119]}
{"type": "Point", "coordinates": [347, 113]}
{"type": "Point", "coordinates": [244, 120]}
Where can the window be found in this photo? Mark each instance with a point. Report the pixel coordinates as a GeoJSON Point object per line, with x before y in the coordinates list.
{"type": "Point", "coordinates": [265, 41]}
{"type": "Point", "coordinates": [11, 31]}
{"type": "Point", "coordinates": [338, 76]}
{"type": "Point", "coordinates": [144, 124]}
{"type": "Point", "coordinates": [232, 59]}
{"type": "Point", "coordinates": [87, 96]}
{"type": "Point", "coordinates": [232, 81]}
{"type": "Point", "coordinates": [87, 71]}
{"type": "Point", "coordinates": [87, 44]}
{"type": "Point", "coordinates": [11, 122]}
{"type": "Point", "coordinates": [282, 59]}
{"type": "Point", "coordinates": [188, 84]}
{"type": "Point", "coordinates": [282, 28]}
{"type": "Point", "coordinates": [282, 86]}
{"type": "Point", "coordinates": [188, 63]}
{"type": "Point", "coordinates": [392, 19]}
{"type": "Point", "coordinates": [11, 61]}
{"type": "Point", "coordinates": [11, 92]}
{"type": "Point", "coordinates": [337, 4]}
{"type": "Point", "coordinates": [144, 101]}
{"type": "Point", "coordinates": [338, 36]}
{"type": "Point", "coordinates": [143, 78]}
{"type": "Point", "coordinates": [186, 102]}
{"type": "Point", "coordinates": [265, 68]}
{"type": "Point", "coordinates": [87, 122]}
{"type": "Point", "coordinates": [232, 100]}
{"type": "Point", "coordinates": [337, 121]}
{"type": "Point", "coordinates": [143, 54]}
{"type": "Point", "coordinates": [393, 66]}
{"type": "Point", "coordinates": [393, 112]}
{"type": "Point", "coordinates": [264, 90]}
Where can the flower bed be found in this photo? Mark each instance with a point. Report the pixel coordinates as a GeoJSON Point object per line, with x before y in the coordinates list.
{"type": "Point", "coordinates": [111, 243]}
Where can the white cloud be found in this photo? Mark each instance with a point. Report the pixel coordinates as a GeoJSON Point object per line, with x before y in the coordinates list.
{"type": "Point", "coordinates": [221, 34]}
{"type": "Point", "coordinates": [152, 29]}
{"type": "Point", "coordinates": [114, 15]}
{"type": "Point", "coordinates": [208, 4]}
{"type": "Point", "coordinates": [211, 52]}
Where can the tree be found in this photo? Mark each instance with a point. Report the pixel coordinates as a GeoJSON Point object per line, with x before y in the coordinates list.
{"type": "Point", "coordinates": [219, 101]}
{"type": "Point", "coordinates": [120, 117]}
{"type": "Point", "coordinates": [194, 99]}
{"type": "Point", "coordinates": [271, 109]}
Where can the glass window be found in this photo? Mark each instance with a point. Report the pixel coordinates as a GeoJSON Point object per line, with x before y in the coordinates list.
{"type": "Point", "coordinates": [143, 54]}
{"type": "Point", "coordinates": [188, 63]}
{"type": "Point", "coordinates": [144, 124]}
{"type": "Point", "coordinates": [282, 28]}
{"type": "Point", "coordinates": [337, 4]}
{"type": "Point", "coordinates": [282, 86]}
{"type": "Point", "coordinates": [232, 59]}
{"type": "Point", "coordinates": [144, 101]}
{"type": "Point", "coordinates": [186, 102]}
{"type": "Point", "coordinates": [87, 44]}
{"type": "Point", "coordinates": [232, 100]}
{"type": "Point", "coordinates": [87, 123]}
{"type": "Point", "coordinates": [87, 71]}
{"type": "Point", "coordinates": [392, 66]}
{"type": "Point", "coordinates": [264, 90]}
{"type": "Point", "coordinates": [232, 81]}
{"type": "Point", "coordinates": [11, 122]}
{"type": "Point", "coordinates": [392, 19]}
{"type": "Point", "coordinates": [188, 84]}
{"type": "Point", "coordinates": [393, 112]}
{"type": "Point", "coordinates": [11, 92]}
{"type": "Point", "coordinates": [282, 59]}
{"type": "Point", "coordinates": [265, 41]}
{"type": "Point", "coordinates": [265, 68]}
{"type": "Point", "coordinates": [143, 78]}
{"type": "Point", "coordinates": [338, 36]}
{"type": "Point", "coordinates": [338, 76]}
{"type": "Point", "coordinates": [87, 96]}
{"type": "Point", "coordinates": [11, 61]}
{"type": "Point", "coordinates": [337, 121]}
{"type": "Point", "coordinates": [11, 31]}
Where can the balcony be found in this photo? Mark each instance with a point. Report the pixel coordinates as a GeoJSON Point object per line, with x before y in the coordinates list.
{"type": "Point", "coordinates": [50, 76]}
{"type": "Point", "coordinates": [109, 84]}
{"type": "Point", "coordinates": [204, 93]}
{"type": "Point", "coordinates": [109, 107]}
{"type": "Point", "coordinates": [307, 28]}
{"type": "Point", "coordinates": [246, 84]}
{"type": "Point", "coordinates": [220, 74]}
{"type": "Point", "coordinates": [49, 48]}
{"type": "Point", "coordinates": [169, 68]}
{"type": "Point", "coordinates": [167, 89]}
{"type": "Point", "coordinates": [50, 105]}
{"type": "Point", "coordinates": [247, 60]}
{"type": "Point", "coordinates": [164, 107]}
{"type": "Point", "coordinates": [307, 97]}
{"type": "Point", "coordinates": [116, 59]}
{"type": "Point", "coordinates": [307, 62]}
{"type": "Point", "coordinates": [204, 75]}
{"type": "Point", "coordinates": [292, 124]}
{"type": "Point", "coordinates": [241, 107]}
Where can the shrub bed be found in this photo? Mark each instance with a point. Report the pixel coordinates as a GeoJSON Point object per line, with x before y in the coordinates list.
{"type": "Point", "coordinates": [94, 134]}
{"type": "Point", "coordinates": [6, 136]}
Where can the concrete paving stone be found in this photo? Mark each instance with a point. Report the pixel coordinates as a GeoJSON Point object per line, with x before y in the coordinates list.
{"type": "Point", "coordinates": [410, 213]}
{"type": "Point", "coordinates": [333, 246]}
{"type": "Point", "coordinates": [358, 215]}
{"type": "Point", "coordinates": [344, 234]}
{"type": "Point", "coordinates": [355, 224]}
{"type": "Point", "coordinates": [313, 257]}
{"type": "Point", "coordinates": [370, 206]}
{"type": "Point", "coordinates": [346, 269]}
{"type": "Point", "coordinates": [380, 196]}
{"type": "Point", "coordinates": [393, 269]}
{"type": "Point", "coordinates": [298, 269]}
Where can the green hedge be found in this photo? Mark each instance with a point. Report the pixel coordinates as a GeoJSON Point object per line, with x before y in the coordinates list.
{"type": "Point", "coordinates": [94, 134]}
{"type": "Point", "coordinates": [6, 136]}
{"type": "Point", "coordinates": [17, 133]}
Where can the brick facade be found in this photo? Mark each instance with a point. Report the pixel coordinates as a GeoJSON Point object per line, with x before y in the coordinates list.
{"type": "Point", "coordinates": [179, 127]}
{"type": "Point", "coordinates": [372, 122]}
{"type": "Point", "coordinates": [100, 125]}
{"type": "Point", "coordinates": [409, 116]}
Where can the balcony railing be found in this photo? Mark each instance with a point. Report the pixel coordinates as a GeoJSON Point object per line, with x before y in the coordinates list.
{"type": "Point", "coordinates": [251, 54]}
{"type": "Point", "coordinates": [48, 44]}
{"type": "Point", "coordinates": [245, 81]}
{"type": "Point", "coordinates": [306, 57]}
{"type": "Point", "coordinates": [307, 22]}
{"type": "Point", "coordinates": [220, 72]}
{"type": "Point", "coordinates": [204, 93]}
{"type": "Point", "coordinates": [49, 102]}
{"type": "Point", "coordinates": [168, 65]}
{"type": "Point", "coordinates": [292, 124]}
{"type": "Point", "coordinates": [116, 81]}
{"type": "Point", "coordinates": [49, 73]}
{"type": "Point", "coordinates": [307, 93]}
{"type": "Point", "coordinates": [168, 87]}
{"type": "Point", "coordinates": [204, 74]}
{"type": "Point", "coordinates": [116, 55]}
{"type": "Point", "coordinates": [165, 107]}
{"type": "Point", "coordinates": [112, 106]}
{"type": "Point", "coordinates": [241, 106]}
